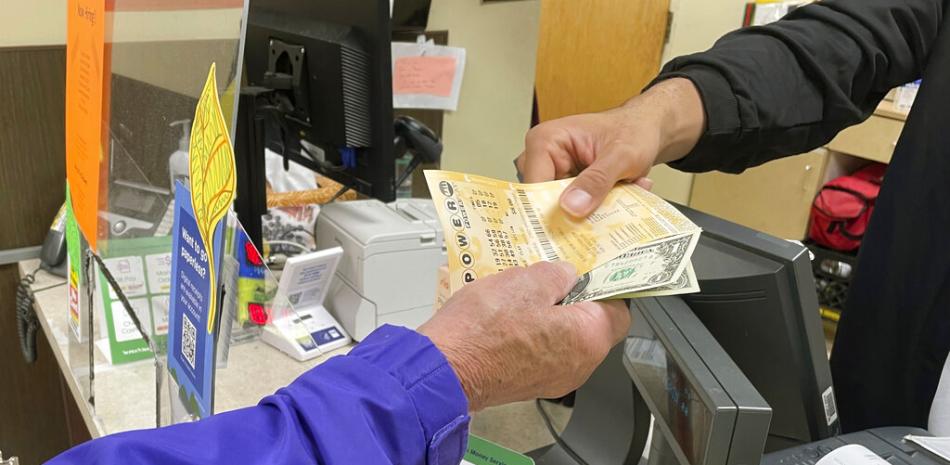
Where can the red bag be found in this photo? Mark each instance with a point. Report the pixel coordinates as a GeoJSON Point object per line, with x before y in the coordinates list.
{"type": "Point", "coordinates": [842, 209]}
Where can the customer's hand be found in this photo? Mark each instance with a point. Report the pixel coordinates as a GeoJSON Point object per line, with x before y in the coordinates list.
{"type": "Point", "coordinates": [508, 340]}
{"type": "Point", "coordinates": [661, 125]}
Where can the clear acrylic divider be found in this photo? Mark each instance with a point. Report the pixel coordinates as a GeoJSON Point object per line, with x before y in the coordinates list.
{"type": "Point", "coordinates": [157, 57]}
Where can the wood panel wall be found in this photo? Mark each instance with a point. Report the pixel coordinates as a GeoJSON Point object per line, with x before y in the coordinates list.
{"type": "Point", "coordinates": [595, 54]}
{"type": "Point", "coordinates": [32, 132]}
{"type": "Point", "coordinates": [32, 174]}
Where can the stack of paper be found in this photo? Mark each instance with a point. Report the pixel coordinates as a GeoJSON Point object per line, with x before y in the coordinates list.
{"type": "Point", "coordinates": [852, 454]}
{"type": "Point", "coordinates": [939, 447]}
{"type": "Point", "coordinates": [634, 245]}
{"type": "Point", "coordinates": [856, 454]}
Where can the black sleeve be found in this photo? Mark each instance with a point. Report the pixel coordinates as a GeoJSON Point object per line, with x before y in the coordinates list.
{"type": "Point", "coordinates": [789, 87]}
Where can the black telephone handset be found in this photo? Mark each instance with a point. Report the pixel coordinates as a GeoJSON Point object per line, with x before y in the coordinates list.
{"type": "Point", "coordinates": [53, 254]}
{"type": "Point", "coordinates": [418, 139]}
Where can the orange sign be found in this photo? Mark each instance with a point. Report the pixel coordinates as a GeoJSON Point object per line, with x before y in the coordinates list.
{"type": "Point", "coordinates": [85, 32]}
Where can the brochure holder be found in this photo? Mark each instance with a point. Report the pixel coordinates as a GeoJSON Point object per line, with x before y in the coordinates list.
{"type": "Point", "coordinates": [250, 305]}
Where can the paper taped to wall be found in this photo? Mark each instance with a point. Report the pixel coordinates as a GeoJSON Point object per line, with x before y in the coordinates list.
{"type": "Point", "coordinates": [426, 75]}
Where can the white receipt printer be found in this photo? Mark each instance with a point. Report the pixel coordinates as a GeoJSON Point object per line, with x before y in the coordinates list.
{"type": "Point", "coordinates": [389, 271]}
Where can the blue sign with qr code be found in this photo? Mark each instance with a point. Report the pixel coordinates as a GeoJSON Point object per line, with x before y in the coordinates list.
{"type": "Point", "coordinates": [190, 345]}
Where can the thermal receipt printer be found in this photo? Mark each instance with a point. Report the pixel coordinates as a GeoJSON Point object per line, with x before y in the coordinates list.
{"type": "Point", "coordinates": [391, 257]}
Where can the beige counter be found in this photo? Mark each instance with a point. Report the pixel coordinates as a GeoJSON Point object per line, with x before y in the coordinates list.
{"type": "Point", "coordinates": [125, 394]}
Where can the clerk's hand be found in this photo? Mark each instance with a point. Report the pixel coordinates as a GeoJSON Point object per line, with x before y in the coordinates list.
{"type": "Point", "coordinates": [508, 340]}
{"type": "Point", "coordinates": [661, 125]}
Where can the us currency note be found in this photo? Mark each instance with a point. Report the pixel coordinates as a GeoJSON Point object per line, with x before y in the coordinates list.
{"type": "Point", "coordinates": [492, 225]}
{"type": "Point", "coordinates": [686, 283]}
{"type": "Point", "coordinates": [658, 266]}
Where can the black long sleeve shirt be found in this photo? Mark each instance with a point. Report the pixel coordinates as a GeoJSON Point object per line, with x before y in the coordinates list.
{"type": "Point", "coordinates": [790, 87]}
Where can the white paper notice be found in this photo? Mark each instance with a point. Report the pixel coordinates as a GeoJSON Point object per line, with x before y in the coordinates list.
{"type": "Point", "coordinates": [766, 13]}
{"type": "Point", "coordinates": [159, 272]}
{"type": "Point", "coordinates": [125, 329]}
{"type": "Point", "coordinates": [129, 274]}
{"type": "Point", "coordinates": [427, 76]}
{"type": "Point", "coordinates": [937, 446]}
{"type": "Point", "coordinates": [852, 454]}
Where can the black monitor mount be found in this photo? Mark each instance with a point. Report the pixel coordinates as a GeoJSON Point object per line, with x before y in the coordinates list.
{"type": "Point", "coordinates": [258, 106]}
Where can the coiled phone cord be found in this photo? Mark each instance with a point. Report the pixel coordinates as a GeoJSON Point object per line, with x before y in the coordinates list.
{"type": "Point", "coordinates": [26, 321]}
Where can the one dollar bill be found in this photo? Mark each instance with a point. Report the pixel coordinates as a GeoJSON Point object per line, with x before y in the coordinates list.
{"type": "Point", "coordinates": [492, 225]}
{"type": "Point", "coordinates": [658, 267]}
{"type": "Point", "coordinates": [686, 283]}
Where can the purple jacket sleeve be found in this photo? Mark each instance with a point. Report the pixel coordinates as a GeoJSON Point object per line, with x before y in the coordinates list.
{"type": "Point", "coordinates": [393, 400]}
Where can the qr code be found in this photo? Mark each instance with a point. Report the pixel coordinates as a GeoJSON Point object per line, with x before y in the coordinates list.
{"type": "Point", "coordinates": [189, 339]}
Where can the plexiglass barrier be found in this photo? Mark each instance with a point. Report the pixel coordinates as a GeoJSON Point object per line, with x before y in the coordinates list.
{"type": "Point", "coordinates": [157, 58]}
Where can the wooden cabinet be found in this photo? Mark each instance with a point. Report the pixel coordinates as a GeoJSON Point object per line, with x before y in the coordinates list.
{"type": "Point", "coordinates": [776, 197]}
{"type": "Point", "coordinates": [773, 198]}
{"type": "Point", "coordinates": [873, 139]}
{"type": "Point", "coordinates": [595, 54]}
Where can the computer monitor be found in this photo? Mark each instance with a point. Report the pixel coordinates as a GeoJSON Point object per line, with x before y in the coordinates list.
{"type": "Point", "coordinates": [758, 300]}
{"type": "Point", "coordinates": [327, 64]}
{"type": "Point", "coordinates": [705, 410]}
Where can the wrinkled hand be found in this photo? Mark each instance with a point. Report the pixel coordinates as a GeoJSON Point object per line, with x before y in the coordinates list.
{"type": "Point", "coordinates": [661, 125]}
{"type": "Point", "coordinates": [508, 340]}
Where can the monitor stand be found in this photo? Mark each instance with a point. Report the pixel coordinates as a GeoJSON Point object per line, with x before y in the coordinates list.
{"type": "Point", "coordinates": [610, 421]}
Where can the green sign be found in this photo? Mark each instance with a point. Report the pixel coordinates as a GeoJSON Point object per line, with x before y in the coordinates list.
{"type": "Point", "coordinates": [74, 272]}
{"type": "Point", "coordinates": [482, 452]}
{"type": "Point", "coordinates": [142, 268]}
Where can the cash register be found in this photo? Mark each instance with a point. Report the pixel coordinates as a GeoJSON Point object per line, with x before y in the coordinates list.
{"type": "Point", "coordinates": [736, 374]}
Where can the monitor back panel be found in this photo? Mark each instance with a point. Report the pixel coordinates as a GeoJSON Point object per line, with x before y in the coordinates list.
{"type": "Point", "coordinates": [704, 406]}
{"type": "Point", "coordinates": [758, 299]}
{"type": "Point", "coordinates": [333, 32]}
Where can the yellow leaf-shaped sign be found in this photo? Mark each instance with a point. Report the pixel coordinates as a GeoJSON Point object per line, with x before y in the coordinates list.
{"type": "Point", "coordinates": [212, 173]}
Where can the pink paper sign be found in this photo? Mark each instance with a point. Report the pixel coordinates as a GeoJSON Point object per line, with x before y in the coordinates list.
{"type": "Point", "coordinates": [431, 75]}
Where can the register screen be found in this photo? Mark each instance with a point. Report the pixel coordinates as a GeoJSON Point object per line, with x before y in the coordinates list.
{"type": "Point", "coordinates": [677, 402]}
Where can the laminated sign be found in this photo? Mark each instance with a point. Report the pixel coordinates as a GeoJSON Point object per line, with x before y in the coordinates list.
{"type": "Point", "coordinates": [85, 68]}
{"type": "Point", "coordinates": [196, 254]}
